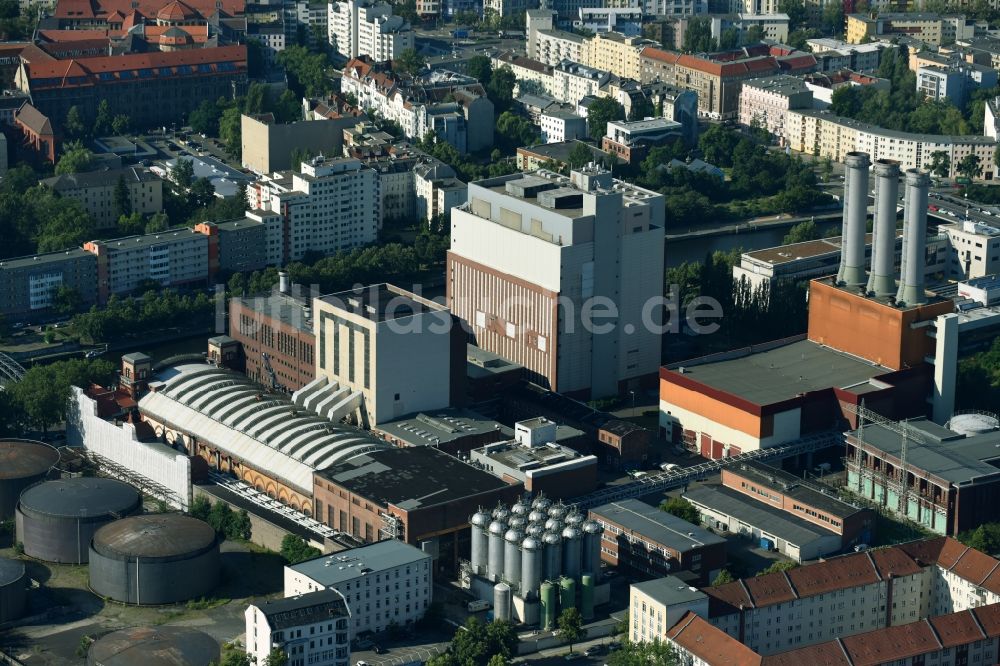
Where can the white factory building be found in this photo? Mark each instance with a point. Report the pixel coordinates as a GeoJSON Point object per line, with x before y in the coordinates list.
{"type": "Point", "coordinates": [385, 583]}
{"type": "Point", "coordinates": [531, 254]}
{"type": "Point", "coordinates": [312, 629]}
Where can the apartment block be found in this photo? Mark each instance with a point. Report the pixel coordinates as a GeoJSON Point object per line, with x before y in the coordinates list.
{"type": "Point", "coordinates": [623, 20]}
{"type": "Point", "coordinates": [573, 81]}
{"type": "Point", "coordinates": [95, 190]}
{"type": "Point", "coordinates": [826, 135]}
{"type": "Point", "coordinates": [936, 29]}
{"type": "Point", "coordinates": [529, 251]}
{"type": "Point", "coordinates": [331, 204]}
{"type": "Point", "coordinates": [551, 46]}
{"type": "Point", "coordinates": [617, 53]}
{"type": "Point", "coordinates": [561, 124]}
{"type": "Point", "coordinates": [631, 140]}
{"type": "Point", "coordinates": [313, 628]}
{"type": "Point", "coordinates": [764, 103]}
{"type": "Point", "coordinates": [400, 352]}
{"type": "Point", "coordinates": [28, 284]}
{"type": "Point", "coordinates": [368, 28]}
{"type": "Point", "coordinates": [384, 584]}
{"type": "Point", "coordinates": [835, 54]}
{"type": "Point", "coordinates": [437, 189]}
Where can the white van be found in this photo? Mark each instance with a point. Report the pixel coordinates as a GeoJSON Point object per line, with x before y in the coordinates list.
{"type": "Point", "coordinates": [669, 467]}
{"type": "Point", "coordinates": [478, 605]}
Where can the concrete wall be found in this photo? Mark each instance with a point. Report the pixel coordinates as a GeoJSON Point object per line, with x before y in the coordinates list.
{"type": "Point", "coordinates": [268, 148]}
{"type": "Point", "coordinates": [119, 443]}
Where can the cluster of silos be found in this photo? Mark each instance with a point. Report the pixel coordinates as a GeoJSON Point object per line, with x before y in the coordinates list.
{"type": "Point", "coordinates": [880, 281]}
{"type": "Point", "coordinates": [23, 463]}
{"type": "Point", "coordinates": [532, 548]}
{"type": "Point", "coordinates": [56, 520]}
{"type": "Point", "coordinates": [154, 559]}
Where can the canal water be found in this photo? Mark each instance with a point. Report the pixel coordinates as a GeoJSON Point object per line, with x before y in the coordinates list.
{"type": "Point", "coordinates": [695, 248]}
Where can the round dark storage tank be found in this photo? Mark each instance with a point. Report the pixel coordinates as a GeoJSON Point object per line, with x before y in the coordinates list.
{"type": "Point", "coordinates": [57, 519]}
{"type": "Point", "coordinates": [22, 463]}
{"type": "Point", "coordinates": [154, 559]}
{"type": "Point", "coordinates": [13, 589]}
{"type": "Point", "coordinates": [154, 646]}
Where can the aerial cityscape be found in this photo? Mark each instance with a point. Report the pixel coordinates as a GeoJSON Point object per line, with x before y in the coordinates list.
{"type": "Point", "coordinates": [496, 332]}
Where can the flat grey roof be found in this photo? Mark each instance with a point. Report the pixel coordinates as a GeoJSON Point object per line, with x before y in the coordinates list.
{"type": "Point", "coordinates": [669, 590]}
{"type": "Point", "coordinates": [242, 223]}
{"type": "Point", "coordinates": [286, 308]}
{"type": "Point", "coordinates": [943, 453]}
{"type": "Point", "coordinates": [382, 302]}
{"type": "Point", "coordinates": [939, 139]}
{"type": "Point", "coordinates": [794, 487]}
{"type": "Point", "coordinates": [440, 426]}
{"type": "Point", "coordinates": [782, 525]}
{"type": "Point", "coordinates": [783, 373]}
{"type": "Point", "coordinates": [149, 240]}
{"type": "Point", "coordinates": [659, 526]}
{"type": "Point", "coordinates": [47, 258]}
{"type": "Point", "coordinates": [330, 570]}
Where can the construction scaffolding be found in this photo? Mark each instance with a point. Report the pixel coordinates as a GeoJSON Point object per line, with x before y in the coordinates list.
{"type": "Point", "coordinates": [146, 486]}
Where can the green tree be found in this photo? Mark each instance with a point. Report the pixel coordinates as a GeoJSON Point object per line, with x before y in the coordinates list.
{"type": "Point", "coordinates": [940, 164]}
{"type": "Point", "coordinates": [157, 222]}
{"type": "Point", "coordinates": [480, 68]}
{"type": "Point", "coordinates": [230, 131]}
{"type": "Point", "coordinates": [600, 113]}
{"type": "Point", "coordinates": [515, 131]}
{"type": "Point", "coordinates": [580, 154]}
{"type": "Point", "coordinates": [651, 653]}
{"type": "Point", "coordinates": [796, 10]}
{"type": "Point", "coordinates": [294, 549]}
{"type": "Point", "coordinates": [122, 199]}
{"type": "Point", "coordinates": [570, 625]}
{"type": "Point", "coordinates": [277, 657]}
{"type": "Point", "coordinates": [43, 392]}
{"type": "Point", "coordinates": [205, 119]}
{"type": "Point", "coordinates": [729, 39]}
{"type": "Point", "coordinates": [236, 658]}
{"type": "Point", "coordinates": [200, 508]}
{"type": "Point", "coordinates": [307, 72]}
{"type": "Point", "coordinates": [120, 124]}
{"type": "Point", "coordinates": [698, 36]}
{"type": "Point", "coordinates": [102, 122]}
{"type": "Point", "coordinates": [722, 578]}
{"type": "Point", "coordinates": [801, 232]}
{"type": "Point", "coordinates": [970, 166]}
{"type": "Point", "coordinates": [410, 62]}
{"type": "Point", "coordinates": [985, 538]}
{"type": "Point", "coordinates": [718, 144]}
{"type": "Point", "coordinates": [784, 565]}
{"type": "Point", "coordinates": [66, 300]}
{"type": "Point", "coordinates": [680, 507]}
{"type": "Point", "coordinates": [75, 159]}
{"type": "Point", "coordinates": [75, 127]}
{"type": "Point", "coordinates": [754, 34]}
{"type": "Point", "coordinates": [501, 89]}
{"type": "Point", "coordinates": [497, 660]}
{"type": "Point", "coordinates": [183, 172]}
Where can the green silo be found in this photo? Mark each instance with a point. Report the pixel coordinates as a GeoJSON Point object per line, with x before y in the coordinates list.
{"type": "Point", "coordinates": [587, 596]}
{"type": "Point", "coordinates": [567, 593]}
{"type": "Point", "coordinates": [548, 598]}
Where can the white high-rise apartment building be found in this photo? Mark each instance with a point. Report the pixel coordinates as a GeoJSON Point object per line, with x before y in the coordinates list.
{"type": "Point", "coordinates": [534, 256]}
{"type": "Point", "coordinates": [368, 27]}
{"type": "Point", "coordinates": [330, 205]}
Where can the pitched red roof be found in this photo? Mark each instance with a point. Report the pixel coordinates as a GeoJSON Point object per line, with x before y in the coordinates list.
{"type": "Point", "coordinates": [890, 644]}
{"type": "Point", "coordinates": [975, 566]}
{"type": "Point", "coordinates": [830, 653]}
{"type": "Point", "coordinates": [956, 628]}
{"type": "Point", "coordinates": [838, 573]}
{"type": "Point", "coordinates": [769, 589]}
{"type": "Point", "coordinates": [711, 644]}
{"type": "Point", "coordinates": [102, 9]}
{"type": "Point", "coordinates": [176, 11]}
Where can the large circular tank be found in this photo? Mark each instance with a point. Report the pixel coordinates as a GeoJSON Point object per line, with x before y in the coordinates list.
{"type": "Point", "coordinates": [480, 522]}
{"type": "Point", "coordinates": [57, 519]}
{"type": "Point", "coordinates": [541, 503]}
{"type": "Point", "coordinates": [572, 551]}
{"type": "Point", "coordinates": [13, 589]}
{"type": "Point", "coordinates": [154, 646]}
{"type": "Point", "coordinates": [547, 596]}
{"type": "Point", "coordinates": [537, 516]}
{"type": "Point", "coordinates": [973, 423]}
{"type": "Point", "coordinates": [567, 593]}
{"type": "Point", "coordinates": [531, 566]}
{"type": "Point", "coordinates": [23, 462]}
{"type": "Point", "coordinates": [512, 556]}
{"type": "Point", "coordinates": [495, 554]}
{"type": "Point", "coordinates": [501, 602]}
{"type": "Point", "coordinates": [552, 556]}
{"type": "Point", "coordinates": [591, 561]}
{"type": "Point", "coordinates": [535, 529]}
{"type": "Point", "coordinates": [587, 597]}
{"type": "Point", "coordinates": [558, 511]}
{"type": "Point", "coordinates": [154, 559]}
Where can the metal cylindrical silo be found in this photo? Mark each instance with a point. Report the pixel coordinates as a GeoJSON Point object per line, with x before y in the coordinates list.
{"type": "Point", "coordinates": [512, 556]}
{"type": "Point", "coordinates": [591, 561]}
{"type": "Point", "coordinates": [531, 567]}
{"type": "Point", "coordinates": [572, 551]}
{"type": "Point", "coordinates": [852, 243]}
{"type": "Point", "coordinates": [547, 596]}
{"type": "Point", "coordinates": [23, 462]}
{"type": "Point", "coordinates": [56, 520]}
{"type": "Point", "coordinates": [541, 503]}
{"type": "Point", "coordinates": [154, 646]}
{"type": "Point", "coordinates": [154, 559]}
{"type": "Point", "coordinates": [501, 513]}
{"type": "Point", "coordinates": [913, 264]}
{"type": "Point", "coordinates": [13, 589]}
{"type": "Point", "coordinates": [881, 279]}
{"type": "Point", "coordinates": [537, 516]}
{"type": "Point", "coordinates": [520, 508]}
{"type": "Point", "coordinates": [567, 593]}
{"type": "Point", "coordinates": [480, 523]}
{"type": "Point", "coordinates": [587, 597]}
{"type": "Point", "coordinates": [553, 524]}
{"type": "Point", "coordinates": [495, 554]}
{"type": "Point", "coordinates": [552, 559]}
{"type": "Point", "coordinates": [535, 529]}
{"type": "Point", "coordinates": [501, 602]}
{"type": "Point", "coordinates": [574, 518]}
{"type": "Point", "coordinates": [558, 511]}
{"type": "Point", "coordinates": [517, 522]}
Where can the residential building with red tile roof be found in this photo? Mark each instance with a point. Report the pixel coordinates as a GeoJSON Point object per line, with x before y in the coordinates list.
{"type": "Point", "coordinates": [926, 602]}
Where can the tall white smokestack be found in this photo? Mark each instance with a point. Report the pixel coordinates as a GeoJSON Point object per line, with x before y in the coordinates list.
{"type": "Point", "coordinates": [852, 242]}
{"type": "Point", "coordinates": [911, 273]}
{"type": "Point", "coordinates": [882, 280]}
{"type": "Point", "coordinates": [284, 285]}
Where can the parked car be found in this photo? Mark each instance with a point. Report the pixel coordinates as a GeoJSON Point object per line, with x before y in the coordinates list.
{"type": "Point", "coordinates": [378, 649]}
{"type": "Point", "coordinates": [477, 605]}
{"type": "Point", "coordinates": [594, 650]}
